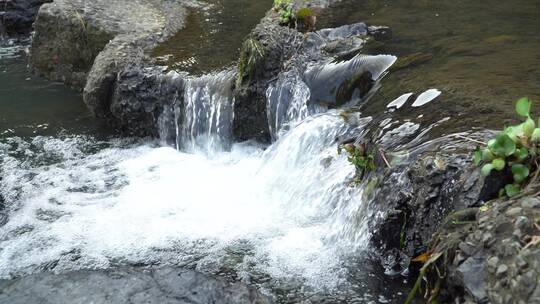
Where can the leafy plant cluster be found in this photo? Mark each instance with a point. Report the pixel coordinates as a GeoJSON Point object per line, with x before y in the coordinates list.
{"type": "Point", "coordinates": [285, 11]}
{"type": "Point", "coordinates": [358, 156]}
{"type": "Point", "coordinates": [516, 150]}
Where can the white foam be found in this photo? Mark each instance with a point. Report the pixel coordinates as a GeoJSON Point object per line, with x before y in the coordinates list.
{"type": "Point", "coordinates": [146, 204]}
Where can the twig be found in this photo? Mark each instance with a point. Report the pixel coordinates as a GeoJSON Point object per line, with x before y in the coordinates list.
{"type": "Point", "coordinates": [384, 158]}
{"type": "Point", "coordinates": [470, 139]}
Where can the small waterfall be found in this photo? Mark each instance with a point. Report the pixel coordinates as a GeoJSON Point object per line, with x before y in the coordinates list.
{"type": "Point", "coordinates": [295, 96]}
{"type": "Point", "coordinates": [287, 102]}
{"type": "Point", "coordinates": [340, 82]}
{"type": "Point", "coordinates": [202, 114]}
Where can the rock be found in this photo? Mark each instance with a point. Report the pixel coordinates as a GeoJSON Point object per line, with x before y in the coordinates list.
{"type": "Point", "coordinates": [3, 211]}
{"type": "Point", "coordinates": [512, 272]}
{"type": "Point", "coordinates": [139, 99]}
{"type": "Point", "coordinates": [276, 54]}
{"type": "Point", "coordinates": [493, 262]}
{"type": "Point", "coordinates": [127, 285]}
{"type": "Point", "coordinates": [420, 195]}
{"type": "Point", "coordinates": [472, 275]}
{"type": "Point", "coordinates": [17, 16]}
{"type": "Point", "coordinates": [530, 202]}
{"type": "Point", "coordinates": [513, 211]}
{"type": "Point", "coordinates": [85, 44]}
{"type": "Point", "coordinates": [501, 270]}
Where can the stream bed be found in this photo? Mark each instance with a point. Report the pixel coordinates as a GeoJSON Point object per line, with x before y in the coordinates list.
{"type": "Point", "coordinates": [286, 217]}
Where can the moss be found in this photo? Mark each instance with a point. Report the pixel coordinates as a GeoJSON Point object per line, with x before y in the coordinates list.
{"type": "Point", "coordinates": [252, 53]}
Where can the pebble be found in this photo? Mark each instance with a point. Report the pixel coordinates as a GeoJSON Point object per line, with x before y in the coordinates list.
{"type": "Point", "coordinates": [493, 262]}
{"type": "Point", "coordinates": [478, 235]}
{"type": "Point", "coordinates": [522, 222]}
{"type": "Point", "coordinates": [513, 211]}
{"type": "Point", "coordinates": [501, 270]}
{"type": "Point", "coordinates": [520, 262]}
{"type": "Point", "coordinates": [530, 202]}
{"type": "Point", "coordinates": [486, 239]}
{"type": "Point", "coordinates": [517, 233]}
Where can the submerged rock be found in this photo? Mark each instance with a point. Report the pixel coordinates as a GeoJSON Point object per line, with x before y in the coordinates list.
{"type": "Point", "coordinates": [127, 285]}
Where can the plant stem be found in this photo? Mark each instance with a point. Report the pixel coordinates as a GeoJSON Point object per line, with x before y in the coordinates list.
{"type": "Point", "coordinates": [470, 139]}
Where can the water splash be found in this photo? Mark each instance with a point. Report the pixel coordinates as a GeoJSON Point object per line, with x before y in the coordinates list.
{"type": "Point", "coordinates": [287, 103]}
{"type": "Point", "coordinates": [141, 203]}
{"type": "Point", "coordinates": [295, 96]}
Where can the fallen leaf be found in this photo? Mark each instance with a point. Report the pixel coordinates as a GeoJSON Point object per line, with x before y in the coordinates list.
{"type": "Point", "coordinates": [424, 257]}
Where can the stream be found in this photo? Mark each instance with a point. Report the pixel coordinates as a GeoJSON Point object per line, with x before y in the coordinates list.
{"type": "Point", "coordinates": [286, 217]}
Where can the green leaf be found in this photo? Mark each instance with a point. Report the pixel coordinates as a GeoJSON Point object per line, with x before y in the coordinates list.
{"type": "Point", "coordinates": [514, 132]}
{"type": "Point", "coordinates": [503, 146]}
{"type": "Point", "coordinates": [486, 169]}
{"type": "Point", "coordinates": [512, 189]}
{"type": "Point", "coordinates": [521, 154]}
{"type": "Point", "coordinates": [528, 127]}
{"type": "Point", "coordinates": [477, 156]}
{"type": "Point", "coordinates": [487, 156]}
{"type": "Point", "coordinates": [498, 164]}
{"type": "Point", "coordinates": [520, 172]}
{"type": "Point", "coordinates": [523, 106]}
{"type": "Point", "coordinates": [491, 143]}
{"type": "Point", "coordinates": [535, 137]}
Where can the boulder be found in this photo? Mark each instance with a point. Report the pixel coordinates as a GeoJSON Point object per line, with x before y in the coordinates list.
{"type": "Point", "coordinates": [127, 285]}
{"type": "Point", "coordinates": [86, 44]}
{"type": "Point", "coordinates": [17, 16]}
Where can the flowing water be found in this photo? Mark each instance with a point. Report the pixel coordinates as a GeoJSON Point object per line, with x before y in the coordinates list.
{"type": "Point", "coordinates": [283, 217]}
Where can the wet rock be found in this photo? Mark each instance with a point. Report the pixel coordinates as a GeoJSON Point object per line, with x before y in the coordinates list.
{"type": "Point", "coordinates": [17, 16]}
{"type": "Point", "coordinates": [85, 44]}
{"type": "Point", "coordinates": [274, 53]}
{"type": "Point", "coordinates": [140, 96]}
{"type": "Point", "coordinates": [3, 211]}
{"type": "Point", "coordinates": [421, 194]}
{"type": "Point", "coordinates": [126, 285]}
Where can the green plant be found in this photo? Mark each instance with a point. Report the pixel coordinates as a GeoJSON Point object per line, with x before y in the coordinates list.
{"type": "Point", "coordinates": [284, 8]}
{"type": "Point", "coordinates": [516, 150]}
{"type": "Point", "coordinates": [358, 156]}
{"type": "Point", "coordinates": [306, 19]}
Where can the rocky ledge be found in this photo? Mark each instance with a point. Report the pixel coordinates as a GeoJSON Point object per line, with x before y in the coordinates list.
{"type": "Point", "coordinates": [127, 285]}
{"type": "Point", "coordinates": [86, 44]}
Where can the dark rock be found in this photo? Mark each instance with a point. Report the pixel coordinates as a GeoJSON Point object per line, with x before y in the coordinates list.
{"type": "Point", "coordinates": [125, 285]}
{"type": "Point", "coordinates": [420, 193]}
{"type": "Point", "coordinates": [17, 16]}
{"type": "Point", "coordinates": [262, 57]}
{"type": "Point", "coordinates": [3, 211]}
{"type": "Point", "coordinates": [140, 97]}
